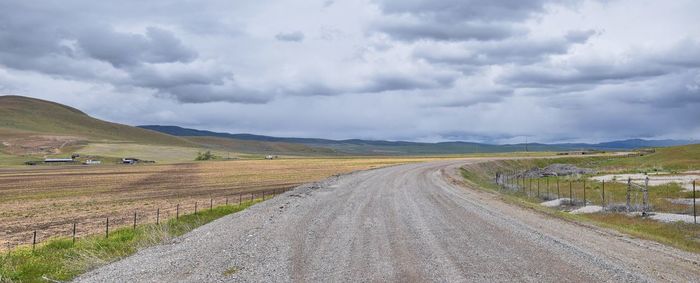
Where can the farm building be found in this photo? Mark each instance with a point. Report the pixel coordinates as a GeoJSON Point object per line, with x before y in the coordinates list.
{"type": "Point", "coordinates": [59, 160]}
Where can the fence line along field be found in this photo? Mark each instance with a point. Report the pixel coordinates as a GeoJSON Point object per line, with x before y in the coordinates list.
{"type": "Point", "coordinates": [50, 199]}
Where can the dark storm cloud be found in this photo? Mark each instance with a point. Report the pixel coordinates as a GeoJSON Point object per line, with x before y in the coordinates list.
{"type": "Point", "coordinates": [511, 51]}
{"type": "Point", "coordinates": [456, 20]}
{"type": "Point", "coordinates": [536, 76]}
{"type": "Point", "coordinates": [203, 93]}
{"type": "Point", "coordinates": [377, 83]}
{"type": "Point", "coordinates": [417, 30]}
{"type": "Point", "coordinates": [461, 10]}
{"type": "Point", "coordinates": [128, 49]}
{"type": "Point", "coordinates": [679, 58]}
{"type": "Point", "coordinates": [67, 41]}
{"type": "Point", "coordinates": [296, 36]}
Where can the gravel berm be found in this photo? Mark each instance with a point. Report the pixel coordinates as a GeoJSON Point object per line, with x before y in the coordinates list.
{"type": "Point", "coordinates": [405, 223]}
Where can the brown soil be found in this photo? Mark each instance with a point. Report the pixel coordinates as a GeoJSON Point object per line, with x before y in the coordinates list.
{"type": "Point", "coordinates": [50, 199]}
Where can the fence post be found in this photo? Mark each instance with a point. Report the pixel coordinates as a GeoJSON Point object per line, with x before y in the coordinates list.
{"type": "Point", "coordinates": [571, 195]}
{"type": "Point", "coordinates": [34, 241]}
{"type": "Point", "coordinates": [134, 220]}
{"type": "Point", "coordinates": [645, 197]}
{"type": "Point", "coordinates": [629, 188]}
{"type": "Point", "coordinates": [177, 212]}
{"type": "Point", "coordinates": [158, 216]}
{"type": "Point", "coordinates": [695, 216]}
{"type": "Point", "coordinates": [226, 201]}
{"type": "Point", "coordinates": [538, 187]}
{"type": "Point", "coordinates": [74, 232]}
{"type": "Point", "coordinates": [240, 199]}
{"type": "Point", "coordinates": [604, 195]}
{"type": "Point", "coordinates": [195, 208]}
{"type": "Point", "coordinates": [547, 188]}
{"type": "Point", "coordinates": [584, 192]}
{"type": "Point", "coordinates": [107, 229]}
{"type": "Point", "coordinates": [558, 194]}
{"type": "Point", "coordinates": [211, 203]}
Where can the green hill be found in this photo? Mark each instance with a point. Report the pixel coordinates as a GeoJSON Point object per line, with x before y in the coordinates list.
{"type": "Point", "coordinates": [678, 158]}
{"type": "Point", "coordinates": [23, 116]}
{"type": "Point", "coordinates": [34, 128]}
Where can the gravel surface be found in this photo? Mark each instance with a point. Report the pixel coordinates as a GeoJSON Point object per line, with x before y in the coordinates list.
{"type": "Point", "coordinates": [685, 180]}
{"type": "Point", "coordinates": [671, 217]}
{"type": "Point", "coordinates": [588, 209]}
{"type": "Point", "coordinates": [406, 223]}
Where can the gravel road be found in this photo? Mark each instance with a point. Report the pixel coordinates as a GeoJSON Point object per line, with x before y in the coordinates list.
{"type": "Point", "coordinates": [413, 222]}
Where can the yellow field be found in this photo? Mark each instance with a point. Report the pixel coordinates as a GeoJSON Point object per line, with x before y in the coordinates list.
{"type": "Point", "coordinates": [50, 199]}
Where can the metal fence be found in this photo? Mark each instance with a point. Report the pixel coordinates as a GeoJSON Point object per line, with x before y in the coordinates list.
{"type": "Point", "coordinates": [542, 188]}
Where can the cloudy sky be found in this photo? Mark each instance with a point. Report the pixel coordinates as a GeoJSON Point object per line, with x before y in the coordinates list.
{"type": "Point", "coordinates": [422, 70]}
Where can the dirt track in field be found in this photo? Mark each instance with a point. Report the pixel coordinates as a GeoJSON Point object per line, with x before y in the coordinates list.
{"type": "Point", "coordinates": [404, 223]}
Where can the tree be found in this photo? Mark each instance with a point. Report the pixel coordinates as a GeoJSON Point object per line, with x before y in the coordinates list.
{"type": "Point", "coordinates": [204, 156]}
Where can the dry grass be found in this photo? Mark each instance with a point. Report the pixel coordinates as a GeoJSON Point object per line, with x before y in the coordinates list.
{"type": "Point", "coordinates": [50, 199]}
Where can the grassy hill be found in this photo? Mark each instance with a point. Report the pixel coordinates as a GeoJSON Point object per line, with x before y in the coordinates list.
{"type": "Point", "coordinates": [676, 158]}
{"type": "Point", "coordinates": [32, 128]}
{"type": "Point", "coordinates": [23, 116]}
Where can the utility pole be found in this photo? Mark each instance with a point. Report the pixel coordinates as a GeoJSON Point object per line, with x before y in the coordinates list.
{"type": "Point", "coordinates": [525, 143]}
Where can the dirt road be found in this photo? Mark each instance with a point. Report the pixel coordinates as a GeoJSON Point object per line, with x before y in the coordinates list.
{"type": "Point", "coordinates": [402, 223]}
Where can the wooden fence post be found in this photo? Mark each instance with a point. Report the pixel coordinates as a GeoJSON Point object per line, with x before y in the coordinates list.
{"type": "Point", "coordinates": [558, 194]}
{"type": "Point", "coordinates": [74, 232]}
{"type": "Point", "coordinates": [645, 197]}
{"type": "Point", "coordinates": [584, 192]}
{"type": "Point", "coordinates": [695, 216]}
{"type": "Point", "coordinates": [34, 241]}
{"type": "Point", "coordinates": [629, 188]}
{"type": "Point", "coordinates": [158, 216]}
{"type": "Point", "coordinates": [603, 195]}
{"type": "Point", "coordinates": [134, 220]}
{"type": "Point", "coordinates": [571, 194]}
{"type": "Point", "coordinates": [107, 229]}
{"type": "Point", "coordinates": [177, 212]}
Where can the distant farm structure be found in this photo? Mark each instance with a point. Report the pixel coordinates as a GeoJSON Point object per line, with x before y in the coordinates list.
{"type": "Point", "coordinates": [580, 152]}
{"type": "Point", "coordinates": [131, 161]}
{"type": "Point", "coordinates": [58, 160]}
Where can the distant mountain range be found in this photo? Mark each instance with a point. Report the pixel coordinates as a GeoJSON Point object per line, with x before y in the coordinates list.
{"type": "Point", "coordinates": [375, 147]}
{"type": "Point", "coordinates": [35, 128]}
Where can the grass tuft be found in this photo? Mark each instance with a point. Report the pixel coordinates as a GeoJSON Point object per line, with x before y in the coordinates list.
{"type": "Point", "coordinates": [231, 271]}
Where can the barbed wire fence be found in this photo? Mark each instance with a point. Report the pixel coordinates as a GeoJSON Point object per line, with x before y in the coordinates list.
{"type": "Point", "coordinates": [77, 228]}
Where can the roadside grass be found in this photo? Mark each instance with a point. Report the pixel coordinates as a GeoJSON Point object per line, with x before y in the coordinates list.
{"type": "Point", "coordinates": [681, 235]}
{"type": "Point", "coordinates": [61, 259]}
